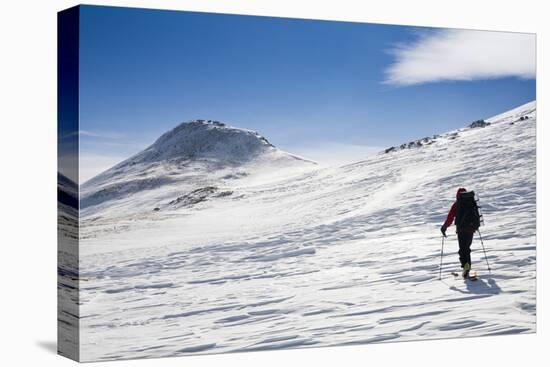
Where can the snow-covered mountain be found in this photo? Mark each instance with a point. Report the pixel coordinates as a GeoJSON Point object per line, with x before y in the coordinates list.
{"type": "Point", "coordinates": [192, 156]}
{"type": "Point", "coordinates": [202, 139]}
{"type": "Point", "coordinates": [218, 257]}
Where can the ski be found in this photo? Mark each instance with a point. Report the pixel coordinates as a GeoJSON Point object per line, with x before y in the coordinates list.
{"type": "Point", "coordinates": [472, 276]}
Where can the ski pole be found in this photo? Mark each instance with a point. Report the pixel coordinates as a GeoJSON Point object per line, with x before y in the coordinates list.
{"type": "Point", "coordinates": [441, 261]}
{"type": "Point", "coordinates": [484, 253]}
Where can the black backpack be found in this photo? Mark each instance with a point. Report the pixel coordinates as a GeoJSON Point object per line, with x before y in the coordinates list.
{"type": "Point", "coordinates": [467, 211]}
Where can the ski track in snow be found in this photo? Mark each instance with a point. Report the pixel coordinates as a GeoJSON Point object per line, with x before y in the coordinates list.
{"type": "Point", "coordinates": [333, 256]}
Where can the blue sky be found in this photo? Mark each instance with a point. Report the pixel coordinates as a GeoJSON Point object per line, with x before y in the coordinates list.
{"type": "Point", "coordinates": [333, 91]}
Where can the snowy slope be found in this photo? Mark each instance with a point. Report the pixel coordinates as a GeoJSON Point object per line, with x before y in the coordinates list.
{"type": "Point", "coordinates": [317, 256]}
{"type": "Point", "coordinates": [67, 257]}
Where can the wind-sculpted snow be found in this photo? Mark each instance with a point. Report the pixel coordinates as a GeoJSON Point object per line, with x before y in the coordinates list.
{"type": "Point", "coordinates": [319, 257]}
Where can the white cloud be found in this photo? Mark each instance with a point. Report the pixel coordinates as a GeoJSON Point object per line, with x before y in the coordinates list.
{"type": "Point", "coordinates": [332, 154]}
{"type": "Point", "coordinates": [463, 55]}
{"type": "Point", "coordinates": [101, 134]}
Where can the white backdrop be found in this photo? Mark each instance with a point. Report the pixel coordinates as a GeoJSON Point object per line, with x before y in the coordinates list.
{"type": "Point", "coordinates": [28, 181]}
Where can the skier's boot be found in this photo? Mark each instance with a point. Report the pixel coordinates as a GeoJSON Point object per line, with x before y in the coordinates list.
{"type": "Point", "coordinates": [466, 270]}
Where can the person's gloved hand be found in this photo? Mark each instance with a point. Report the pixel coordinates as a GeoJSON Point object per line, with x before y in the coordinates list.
{"type": "Point", "coordinates": [443, 230]}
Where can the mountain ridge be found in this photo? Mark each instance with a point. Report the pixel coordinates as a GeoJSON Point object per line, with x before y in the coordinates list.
{"type": "Point", "coordinates": [199, 154]}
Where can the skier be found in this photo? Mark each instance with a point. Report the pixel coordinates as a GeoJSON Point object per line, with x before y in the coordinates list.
{"type": "Point", "coordinates": [467, 222]}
